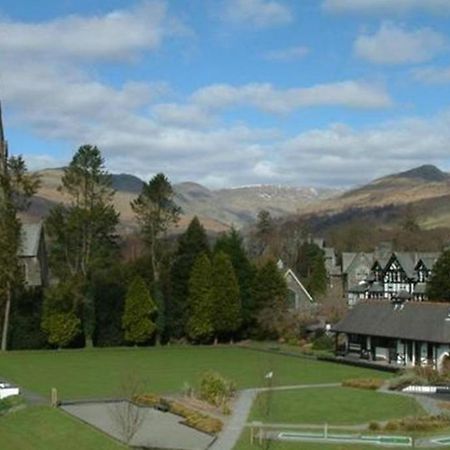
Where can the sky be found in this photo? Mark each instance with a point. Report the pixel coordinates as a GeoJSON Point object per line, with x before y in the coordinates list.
{"type": "Point", "coordinates": [226, 93]}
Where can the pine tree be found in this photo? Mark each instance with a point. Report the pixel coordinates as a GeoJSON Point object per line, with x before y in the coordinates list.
{"type": "Point", "coordinates": [226, 298]}
{"type": "Point", "coordinates": [310, 266]}
{"type": "Point", "coordinates": [270, 298]}
{"type": "Point", "coordinates": [191, 244]}
{"type": "Point", "coordinates": [231, 244]}
{"type": "Point", "coordinates": [438, 286]}
{"type": "Point", "coordinates": [200, 323]}
{"type": "Point", "coordinates": [137, 319]}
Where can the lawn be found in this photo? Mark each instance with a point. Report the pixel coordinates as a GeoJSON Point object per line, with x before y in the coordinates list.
{"type": "Point", "coordinates": [99, 373]}
{"type": "Point", "coordinates": [44, 428]}
{"type": "Point", "coordinates": [336, 406]}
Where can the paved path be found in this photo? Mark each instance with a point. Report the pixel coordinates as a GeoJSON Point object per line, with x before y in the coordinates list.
{"type": "Point", "coordinates": [233, 429]}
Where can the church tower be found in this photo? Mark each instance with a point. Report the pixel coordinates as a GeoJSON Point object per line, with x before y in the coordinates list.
{"type": "Point", "coordinates": [3, 145]}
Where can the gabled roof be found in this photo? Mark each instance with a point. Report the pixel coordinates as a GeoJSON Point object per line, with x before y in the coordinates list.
{"type": "Point", "coordinates": [290, 273]}
{"type": "Point", "coordinates": [422, 321]}
{"type": "Point", "coordinates": [31, 237]}
{"type": "Point", "coordinates": [347, 259]}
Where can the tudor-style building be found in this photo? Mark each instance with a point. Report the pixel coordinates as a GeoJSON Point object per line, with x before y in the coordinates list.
{"type": "Point", "coordinates": [399, 274]}
{"type": "Point", "coordinates": [396, 333]}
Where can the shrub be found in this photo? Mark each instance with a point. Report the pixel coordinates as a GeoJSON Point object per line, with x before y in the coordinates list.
{"type": "Point", "coordinates": [392, 425]}
{"type": "Point", "coordinates": [424, 423]}
{"type": "Point", "coordinates": [323, 342]}
{"type": "Point", "coordinates": [192, 418]}
{"type": "Point", "coordinates": [364, 383]}
{"type": "Point", "coordinates": [215, 389]}
{"type": "Point", "coordinates": [374, 426]}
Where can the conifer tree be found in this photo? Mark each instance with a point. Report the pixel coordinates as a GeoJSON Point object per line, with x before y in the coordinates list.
{"type": "Point", "coordinates": [191, 244]}
{"type": "Point", "coordinates": [226, 298]}
{"type": "Point", "coordinates": [231, 244]}
{"type": "Point", "coordinates": [270, 298]}
{"type": "Point", "coordinates": [139, 311]}
{"type": "Point", "coordinates": [200, 323]}
{"type": "Point", "coordinates": [438, 286]}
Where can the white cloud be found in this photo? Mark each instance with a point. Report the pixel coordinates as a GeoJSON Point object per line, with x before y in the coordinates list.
{"type": "Point", "coordinates": [256, 13]}
{"type": "Point", "coordinates": [287, 54]}
{"type": "Point", "coordinates": [183, 115]}
{"type": "Point", "coordinates": [116, 35]}
{"type": "Point", "coordinates": [387, 6]}
{"type": "Point", "coordinates": [393, 44]}
{"type": "Point", "coordinates": [432, 75]}
{"type": "Point", "coordinates": [341, 155]}
{"type": "Point", "coordinates": [264, 96]}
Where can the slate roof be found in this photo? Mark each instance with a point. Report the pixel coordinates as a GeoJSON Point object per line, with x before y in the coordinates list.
{"type": "Point", "coordinates": [421, 321]}
{"type": "Point", "coordinates": [31, 236]}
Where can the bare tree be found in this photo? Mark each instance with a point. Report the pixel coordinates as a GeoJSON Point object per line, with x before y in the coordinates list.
{"type": "Point", "coordinates": [127, 415]}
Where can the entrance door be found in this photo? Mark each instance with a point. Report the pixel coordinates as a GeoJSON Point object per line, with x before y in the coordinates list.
{"type": "Point", "coordinates": [409, 351]}
{"type": "Point", "coordinates": [418, 352]}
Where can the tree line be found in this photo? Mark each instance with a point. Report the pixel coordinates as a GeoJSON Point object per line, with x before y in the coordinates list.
{"type": "Point", "coordinates": [186, 288]}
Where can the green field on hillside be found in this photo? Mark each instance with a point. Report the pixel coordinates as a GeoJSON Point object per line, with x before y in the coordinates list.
{"type": "Point", "coordinates": [99, 373]}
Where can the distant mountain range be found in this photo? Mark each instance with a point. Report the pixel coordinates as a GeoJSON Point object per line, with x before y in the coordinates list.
{"type": "Point", "coordinates": [425, 188]}
{"type": "Point", "coordinates": [217, 209]}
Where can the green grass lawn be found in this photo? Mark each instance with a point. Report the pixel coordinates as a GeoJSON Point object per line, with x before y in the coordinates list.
{"type": "Point", "coordinates": [100, 372]}
{"type": "Point", "coordinates": [43, 428]}
{"type": "Point", "coordinates": [336, 406]}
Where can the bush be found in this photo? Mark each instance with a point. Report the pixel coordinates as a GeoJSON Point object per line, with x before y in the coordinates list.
{"type": "Point", "coordinates": [192, 418]}
{"type": "Point", "coordinates": [364, 383]}
{"type": "Point", "coordinates": [424, 423]}
{"type": "Point", "coordinates": [374, 426]}
{"type": "Point", "coordinates": [10, 402]}
{"type": "Point", "coordinates": [215, 389]}
{"type": "Point", "coordinates": [323, 342]}
{"type": "Point", "coordinates": [392, 425]}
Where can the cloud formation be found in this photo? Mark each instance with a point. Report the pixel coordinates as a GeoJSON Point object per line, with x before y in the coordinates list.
{"type": "Point", "coordinates": [393, 44]}
{"type": "Point", "coordinates": [432, 75]}
{"type": "Point", "coordinates": [257, 13]}
{"type": "Point", "coordinates": [384, 7]}
{"type": "Point", "coordinates": [117, 35]}
{"type": "Point", "coordinates": [263, 96]}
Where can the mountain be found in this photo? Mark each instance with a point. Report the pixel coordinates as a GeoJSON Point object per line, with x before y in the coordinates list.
{"type": "Point", "coordinates": [426, 189]}
{"type": "Point", "coordinates": [217, 209]}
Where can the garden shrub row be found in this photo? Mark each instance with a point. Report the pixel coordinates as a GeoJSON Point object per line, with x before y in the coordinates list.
{"type": "Point", "coordinates": [423, 423]}
{"type": "Point", "coordinates": [192, 418]}
{"type": "Point", "coordinates": [364, 383]}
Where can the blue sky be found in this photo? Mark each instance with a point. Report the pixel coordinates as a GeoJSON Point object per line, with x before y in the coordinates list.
{"type": "Point", "coordinates": [230, 92]}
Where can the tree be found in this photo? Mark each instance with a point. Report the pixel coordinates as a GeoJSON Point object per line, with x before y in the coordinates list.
{"type": "Point", "coordinates": [225, 297]}
{"type": "Point", "coordinates": [191, 244]}
{"type": "Point", "coordinates": [17, 186]}
{"type": "Point", "coordinates": [310, 266]}
{"type": "Point", "coordinates": [61, 328]}
{"type": "Point", "coordinates": [438, 286]}
{"type": "Point", "coordinates": [139, 311]}
{"type": "Point", "coordinates": [269, 296]}
{"type": "Point", "coordinates": [83, 232]}
{"type": "Point", "coordinates": [156, 211]}
{"type": "Point", "coordinates": [200, 326]}
{"type": "Point", "coordinates": [231, 244]}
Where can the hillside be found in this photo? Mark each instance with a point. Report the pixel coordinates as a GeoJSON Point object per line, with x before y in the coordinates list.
{"type": "Point", "coordinates": [426, 189]}
{"type": "Point", "coordinates": [217, 209]}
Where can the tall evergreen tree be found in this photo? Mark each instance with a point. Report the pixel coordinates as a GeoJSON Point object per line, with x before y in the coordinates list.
{"type": "Point", "coordinates": [438, 286]}
{"type": "Point", "coordinates": [17, 186]}
{"type": "Point", "coordinates": [200, 327]}
{"type": "Point", "coordinates": [156, 211]}
{"type": "Point", "coordinates": [83, 232]}
{"type": "Point", "coordinates": [226, 298]}
{"type": "Point", "coordinates": [310, 266]}
{"type": "Point", "coordinates": [191, 244]}
{"type": "Point", "coordinates": [139, 311]}
{"type": "Point", "coordinates": [231, 244]}
{"type": "Point", "coordinates": [269, 296]}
